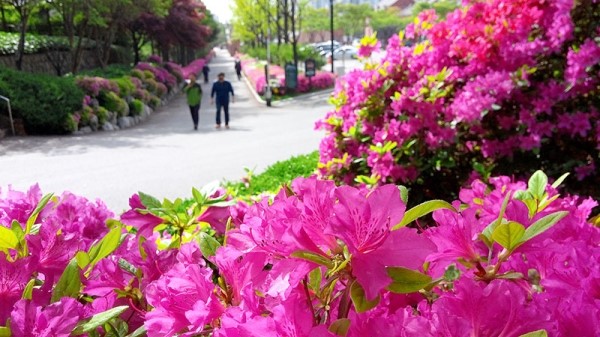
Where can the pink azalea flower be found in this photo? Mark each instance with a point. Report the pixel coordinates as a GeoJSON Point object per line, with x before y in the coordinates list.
{"type": "Point", "coordinates": [144, 223]}
{"type": "Point", "coordinates": [55, 320]}
{"type": "Point", "coordinates": [364, 223]}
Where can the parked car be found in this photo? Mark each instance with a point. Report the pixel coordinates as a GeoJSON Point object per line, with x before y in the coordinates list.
{"type": "Point", "coordinates": [343, 52]}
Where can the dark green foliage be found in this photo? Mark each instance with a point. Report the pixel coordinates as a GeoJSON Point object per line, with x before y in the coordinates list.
{"type": "Point", "coordinates": [136, 107]}
{"type": "Point", "coordinates": [112, 71]}
{"type": "Point", "coordinates": [43, 102]}
{"type": "Point", "coordinates": [276, 175]}
{"type": "Point", "coordinates": [112, 102]}
{"type": "Point", "coordinates": [284, 54]}
{"type": "Point", "coordinates": [126, 87]}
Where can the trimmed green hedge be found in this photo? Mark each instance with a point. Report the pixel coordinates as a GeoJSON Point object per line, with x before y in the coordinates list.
{"type": "Point", "coordinates": [9, 43]}
{"type": "Point", "coordinates": [276, 175]}
{"type": "Point", "coordinates": [43, 102]}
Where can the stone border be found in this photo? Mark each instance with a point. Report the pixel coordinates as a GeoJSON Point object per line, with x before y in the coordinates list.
{"type": "Point", "coordinates": [125, 122]}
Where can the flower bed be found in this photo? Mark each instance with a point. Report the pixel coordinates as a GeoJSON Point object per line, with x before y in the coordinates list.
{"type": "Point", "coordinates": [509, 259]}
{"type": "Point", "coordinates": [125, 100]}
{"type": "Point", "coordinates": [255, 73]}
{"type": "Point", "coordinates": [502, 87]}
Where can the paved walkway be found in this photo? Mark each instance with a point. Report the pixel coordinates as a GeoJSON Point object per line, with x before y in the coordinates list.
{"type": "Point", "coordinates": [164, 156]}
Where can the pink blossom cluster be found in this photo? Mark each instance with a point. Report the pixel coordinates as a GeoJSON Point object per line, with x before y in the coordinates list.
{"type": "Point", "coordinates": [154, 59]}
{"type": "Point", "coordinates": [506, 259]}
{"type": "Point", "coordinates": [255, 73]}
{"type": "Point", "coordinates": [161, 74]}
{"type": "Point", "coordinates": [93, 86]}
{"type": "Point", "coordinates": [495, 83]}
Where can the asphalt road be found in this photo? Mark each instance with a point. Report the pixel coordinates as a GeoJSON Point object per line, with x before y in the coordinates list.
{"type": "Point", "coordinates": [164, 156]}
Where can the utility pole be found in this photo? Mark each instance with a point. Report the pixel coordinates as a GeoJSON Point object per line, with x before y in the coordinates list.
{"type": "Point", "coordinates": [331, 28]}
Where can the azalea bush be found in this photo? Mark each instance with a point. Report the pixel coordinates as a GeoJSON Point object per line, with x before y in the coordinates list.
{"type": "Point", "coordinates": [255, 73]}
{"type": "Point", "coordinates": [507, 259]}
{"type": "Point", "coordinates": [502, 87]}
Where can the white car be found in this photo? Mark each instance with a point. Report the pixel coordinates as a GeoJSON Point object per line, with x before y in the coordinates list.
{"type": "Point", "coordinates": [344, 52]}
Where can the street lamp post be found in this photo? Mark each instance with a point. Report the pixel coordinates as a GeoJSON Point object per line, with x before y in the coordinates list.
{"type": "Point", "coordinates": [268, 93]}
{"type": "Point", "coordinates": [331, 28]}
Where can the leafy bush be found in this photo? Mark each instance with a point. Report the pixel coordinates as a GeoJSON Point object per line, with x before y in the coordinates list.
{"type": "Point", "coordinates": [283, 54]}
{"type": "Point", "coordinates": [509, 259]}
{"type": "Point", "coordinates": [275, 176]}
{"type": "Point", "coordinates": [137, 74]}
{"type": "Point", "coordinates": [102, 114]}
{"type": "Point", "coordinates": [126, 86]}
{"type": "Point", "coordinates": [34, 43]}
{"type": "Point", "coordinates": [501, 87]}
{"type": "Point", "coordinates": [111, 71]}
{"type": "Point", "coordinates": [43, 102]}
{"type": "Point", "coordinates": [154, 102]}
{"type": "Point", "coordinates": [112, 102]}
{"type": "Point", "coordinates": [136, 107]}
{"type": "Point", "coordinates": [94, 86]}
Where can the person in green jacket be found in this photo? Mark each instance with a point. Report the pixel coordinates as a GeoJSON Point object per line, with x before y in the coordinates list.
{"type": "Point", "coordinates": [193, 91]}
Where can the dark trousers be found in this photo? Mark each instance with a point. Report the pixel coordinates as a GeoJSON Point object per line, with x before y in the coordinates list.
{"type": "Point", "coordinates": [205, 77]}
{"type": "Point", "coordinates": [239, 74]}
{"type": "Point", "coordinates": [225, 106]}
{"type": "Point", "coordinates": [194, 111]}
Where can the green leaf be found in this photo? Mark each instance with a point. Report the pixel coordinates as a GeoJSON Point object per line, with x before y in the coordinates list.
{"type": "Point", "coordinates": [83, 259]}
{"type": "Point", "coordinates": [208, 244]}
{"type": "Point", "coordinates": [361, 304]}
{"type": "Point", "coordinates": [197, 195]}
{"type": "Point", "coordinates": [538, 333]}
{"type": "Point", "coordinates": [8, 239]}
{"type": "Point", "coordinates": [537, 184]}
{"type": "Point", "coordinates": [69, 283]}
{"type": "Point", "coordinates": [209, 189]}
{"type": "Point", "coordinates": [313, 257]}
{"type": "Point", "coordinates": [452, 273]}
{"type": "Point", "coordinates": [97, 320]}
{"type": "Point", "coordinates": [509, 234]}
{"type": "Point", "coordinates": [491, 227]}
{"type": "Point", "coordinates": [5, 331]}
{"type": "Point", "coordinates": [340, 327]}
{"type": "Point", "coordinates": [421, 210]}
{"type": "Point", "coordinates": [403, 193]}
{"type": "Point", "coordinates": [542, 225]}
{"type": "Point", "coordinates": [28, 291]}
{"type": "Point", "coordinates": [139, 332]}
{"type": "Point", "coordinates": [40, 206]}
{"type": "Point", "coordinates": [560, 180]}
{"type": "Point", "coordinates": [511, 276]}
{"type": "Point", "coordinates": [106, 246]}
{"type": "Point", "coordinates": [406, 280]}
{"type": "Point", "coordinates": [315, 277]}
{"type": "Point", "coordinates": [149, 201]}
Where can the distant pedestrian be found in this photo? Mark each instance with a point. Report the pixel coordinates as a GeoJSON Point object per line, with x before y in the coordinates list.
{"type": "Point", "coordinates": [193, 92]}
{"type": "Point", "coordinates": [222, 89]}
{"type": "Point", "coordinates": [205, 71]}
{"type": "Point", "coordinates": [238, 69]}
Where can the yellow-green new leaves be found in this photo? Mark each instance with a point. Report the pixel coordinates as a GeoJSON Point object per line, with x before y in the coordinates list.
{"type": "Point", "coordinates": [508, 235]}
{"type": "Point", "coordinates": [538, 333]}
{"type": "Point", "coordinates": [406, 280]}
{"type": "Point", "coordinates": [8, 239]}
{"type": "Point", "coordinates": [421, 210]}
{"type": "Point", "coordinates": [33, 217]}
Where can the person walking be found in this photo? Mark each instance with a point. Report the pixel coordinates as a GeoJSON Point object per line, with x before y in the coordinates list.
{"type": "Point", "coordinates": [221, 89]}
{"type": "Point", "coordinates": [238, 69]}
{"type": "Point", "coordinates": [193, 91]}
{"type": "Point", "coordinates": [205, 71]}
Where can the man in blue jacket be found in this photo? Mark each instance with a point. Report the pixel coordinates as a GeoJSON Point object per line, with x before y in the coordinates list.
{"type": "Point", "coordinates": [221, 89]}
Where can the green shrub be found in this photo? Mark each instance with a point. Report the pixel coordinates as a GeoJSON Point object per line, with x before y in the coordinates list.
{"type": "Point", "coordinates": [112, 102]}
{"type": "Point", "coordinates": [151, 85]}
{"type": "Point", "coordinates": [148, 75]}
{"type": "Point", "coordinates": [126, 86]}
{"type": "Point", "coordinates": [137, 74]}
{"type": "Point", "coordinates": [112, 71]}
{"type": "Point", "coordinates": [102, 114]}
{"type": "Point", "coordinates": [154, 102]}
{"type": "Point", "coordinates": [70, 124]}
{"type": "Point", "coordinates": [275, 176]}
{"type": "Point", "coordinates": [84, 116]}
{"type": "Point", "coordinates": [136, 107]}
{"type": "Point", "coordinates": [43, 102]}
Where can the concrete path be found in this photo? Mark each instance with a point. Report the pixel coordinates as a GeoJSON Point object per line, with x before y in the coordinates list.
{"type": "Point", "coordinates": [164, 156]}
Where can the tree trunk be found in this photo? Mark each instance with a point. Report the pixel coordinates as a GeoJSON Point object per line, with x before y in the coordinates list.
{"type": "Point", "coordinates": [4, 24]}
{"type": "Point", "coordinates": [136, 47]}
{"type": "Point", "coordinates": [24, 16]}
{"type": "Point", "coordinates": [286, 26]}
